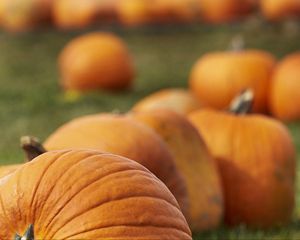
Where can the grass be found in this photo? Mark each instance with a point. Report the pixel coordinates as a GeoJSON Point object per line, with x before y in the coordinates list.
{"type": "Point", "coordinates": [31, 101]}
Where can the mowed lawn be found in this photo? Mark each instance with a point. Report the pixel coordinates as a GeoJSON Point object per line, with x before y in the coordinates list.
{"type": "Point", "coordinates": [32, 103]}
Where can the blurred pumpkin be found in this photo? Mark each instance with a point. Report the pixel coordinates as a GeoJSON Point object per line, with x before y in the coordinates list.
{"type": "Point", "coordinates": [84, 194]}
{"type": "Point", "coordinates": [74, 13]}
{"type": "Point", "coordinates": [257, 159]}
{"type": "Point", "coordinates": [122, 135]}
{"type": "Point", "coordinates": [135, 12]}
{"type": "Point", "coordinates": [218, 77]}
{"type": "Point", "coordinates": [23, 15]}
{"type": "Point", "coordinates": [176, 99]}
{"type": "Point", "coordinates": [285, 93]}
{"type": "Point", "coordinates": [194, 162]}
{"type": "Point", "coordinates": [96, 61]}
{"type": "Point", "coordinates": [219, 11]}
{"type": "Point", "coordinates": [279, 9]}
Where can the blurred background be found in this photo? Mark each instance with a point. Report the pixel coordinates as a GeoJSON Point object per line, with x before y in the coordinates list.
{"type": "Point", "coordinates": [165, 39]}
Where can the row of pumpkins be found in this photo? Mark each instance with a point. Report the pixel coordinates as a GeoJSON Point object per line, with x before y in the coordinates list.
{"type": "Point", "coordinates": [171, 165]}
{"type": "Point", "coordinates": [21, 15]}
{"type": "Point", "coordinates": [102, 61]}
{"type": "Point", "coordinates": [186, 172]}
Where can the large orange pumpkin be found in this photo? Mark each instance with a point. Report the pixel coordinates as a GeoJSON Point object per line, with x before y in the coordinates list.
{"type": "Point", "coordinates": [219, 76]}
{"type": "Point", "coordinates": [285, 95]}
{"type": "Point", "coordinates": [279, 9]}
{"type": "Point", "coordinates": [194, 162]}
{"type": "Point", "coordinates": [218, 11]}
{"type": "Point", "coordinates": [123, 136]}
{"type": "Point", "coordinates": [256, 158]}
{"type": "Point", "coordinates": [96, 61]}
{"type": "Point", "coordinates": [176, 99]}
{"type": "Point", "coordinates": [22, 15]}
{"type": "Point", "coordinates": [84, 194]}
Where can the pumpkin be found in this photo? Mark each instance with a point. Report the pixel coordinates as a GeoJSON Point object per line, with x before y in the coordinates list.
{"type": "Point", "coordinates": [279, 9]}
{"type": "Point", "coordinates": [236, 71]}
{"type": "Point", "coordinates": [6, 170]}
{"type": "Point", "coordinates": [220, 11]}
{"type": "Point", "coordinates": [256, 158]}
{"type": "Point", "coordinates": [135, 12]}
{"type": "Point", "coordinates": [85, 194]}
{"type": "Point", "coordinates": [284, 94]}
{"type": "Point", "coordinates": [74, 13]}
{"type": "Point", "coordinates": [96, 61]}
{"type": "Point", "coordinates": [194, 162]}
{"type": "Point", "coordinates": [23, 15]}
{"type": "Point", "coordinates": [176, 99]}
{"type": "Point", "coordinates": [122, 135]}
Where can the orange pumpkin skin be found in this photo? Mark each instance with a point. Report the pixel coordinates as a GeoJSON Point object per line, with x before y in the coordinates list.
{"type": "Point", "coordinates": [219, 11]}
{"type": "Point", "coordinates": [84, 194]}
{"type": "Point", "coordinates": [176, 99]}
{"type": "Point", "coordinates": [96, 61]}
{"type": "Point", "coordinates": [284, 94]}
{"type": "Point", "coordinates": [74, 13]}
{"type": "Point", "coordinates": [23, 15]}
{"type": "Point", "coordinates": [135, 12]}
{"type": "Point", "coordinates": [279, 9]}
{"type": "Point", "coordinates": [6, 170]}
{"type": "Point", "coordinates": [256, 158]}
{"type": "Point", "coordinates": [123, 136]}
{"type": "Point", "coordinates": [236, 71]}
{"type": "Point", "coordinates": [195, 163]}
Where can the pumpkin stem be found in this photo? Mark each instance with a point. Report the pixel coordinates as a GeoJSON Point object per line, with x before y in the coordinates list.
{"type": "Point", "coordinates": [32, 147]}
{"type": "Point", "coordinates": [237, 43]}
{"type": "Point", "coordinates": [243, 103]}
{"type": "Point", "coordinates": [28, 235]}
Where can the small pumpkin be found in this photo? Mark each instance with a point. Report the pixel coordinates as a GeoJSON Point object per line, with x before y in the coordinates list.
{"type": "Point", "coordinates": [256, 158]}
{"type": "Point", "coordinates": [96, 61]}
{"type": "Point", "coordinates": [85, 194]}
{"type": "Point", "coordinates": [74, 13]}
{"type": "Point", "coordinates": [176, 99]}
{"type": "Point", "coordinates": [236, 71]}
{"type": "Point", "coordinates": [23, 15]}
{"type": "Point", "coordinates": [194, 162]}
{"type": "Point", "coordinates": [284, 94]}
{"type": "Point", "coordinates": [279, 9]}
{"type": "Point", "coordinates": [135, 12]}
{"type": "Point", "coordinates": [220, 11]}
{"type": "Point", "coordinates": [120, 134]}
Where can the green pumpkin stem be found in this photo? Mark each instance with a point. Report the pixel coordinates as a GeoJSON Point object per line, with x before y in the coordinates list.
{"type": "Point", "coordinates": [237, 43]}
{"type": "Point", "coordinates": [32, 147]}
{"type": "Point", "coordinates": [243, 103]}
{"type": "Point", "coordinates": [28, 235]}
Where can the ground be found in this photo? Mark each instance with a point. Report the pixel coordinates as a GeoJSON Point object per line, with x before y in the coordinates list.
{"type": "Point", "coordinates": [32, 103]}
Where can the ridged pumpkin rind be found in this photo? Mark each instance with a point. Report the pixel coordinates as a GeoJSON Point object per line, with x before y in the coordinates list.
{"type": "Point", "coordinates": [83, 194]}
{"type": "Point", "coordinates": [120, 134]}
